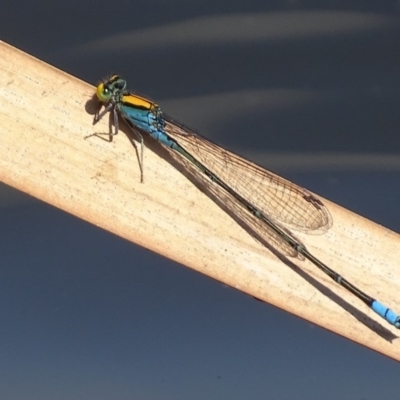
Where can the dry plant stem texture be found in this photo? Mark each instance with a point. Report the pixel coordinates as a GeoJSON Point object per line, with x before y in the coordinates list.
{"type": "Point", "coordinates": [44, 118]}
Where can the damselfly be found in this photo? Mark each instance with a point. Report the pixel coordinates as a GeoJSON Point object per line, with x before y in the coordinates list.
{"type": "Point", "coordinates": [267, 203]}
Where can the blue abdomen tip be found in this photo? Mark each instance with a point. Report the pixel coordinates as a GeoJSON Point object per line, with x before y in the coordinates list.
{"type": "Point", "coordinates": [386, 313]}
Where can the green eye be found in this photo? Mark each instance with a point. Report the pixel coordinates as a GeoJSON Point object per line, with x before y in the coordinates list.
{"type": "Point", "coordinates": [103, 93]}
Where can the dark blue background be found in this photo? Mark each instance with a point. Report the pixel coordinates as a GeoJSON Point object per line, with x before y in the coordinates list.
{"type": "Point", "coordinates": [87, 315]}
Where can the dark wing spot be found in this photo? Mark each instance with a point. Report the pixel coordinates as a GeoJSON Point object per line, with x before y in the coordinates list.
{"type": "Point", "coordinates": [317, 203]}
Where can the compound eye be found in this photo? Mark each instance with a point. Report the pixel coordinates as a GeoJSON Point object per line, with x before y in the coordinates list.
{"type": "Point", "coordinates": [117, 83]}
{"type": "Point", "coordinates": [103, 93]}
{"type": "Point", "coordinates": [120, 85]}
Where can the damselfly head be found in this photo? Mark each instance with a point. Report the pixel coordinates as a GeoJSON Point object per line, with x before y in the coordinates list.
{"type": "Point", "coordinates": [111, 88]}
